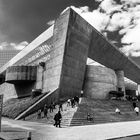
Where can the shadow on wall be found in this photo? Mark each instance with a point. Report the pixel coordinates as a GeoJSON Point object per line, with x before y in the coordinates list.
{"type": "Point", "coordinates": [24, 89]}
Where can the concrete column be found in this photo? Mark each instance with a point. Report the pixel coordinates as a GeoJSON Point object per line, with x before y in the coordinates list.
{"type": "Point", "coordinates": [120, 80]}
{"type": "Point", "coordinates": [138, 89]}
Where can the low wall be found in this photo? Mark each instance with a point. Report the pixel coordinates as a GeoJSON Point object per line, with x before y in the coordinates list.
{"type": "Point", "coordinates": [8, 90]}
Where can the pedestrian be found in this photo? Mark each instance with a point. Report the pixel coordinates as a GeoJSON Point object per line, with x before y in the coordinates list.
{"type": "Point", "coordinates": [82, 93]}
{"type": "Point", "coordinates": [76, 99]}
{"type": "Point", "coordinates": [136, 110]}
{"type": "Point", "coordinates": [51, 107]}
{"type": "Point", "coordinates": [72, 102]}
{"type": "Point", "coordinates": [57, 119]}
{"type": "Point", "coordinates": [134, 105]}
{"type": "Point", "coordinates": [60, 107]}
{"type": "Point", "coordinates": [53, 104]}
{"type": "Point", "coordinates": [89, 117]}
{"type": "Point", "coordinates": [39, 114]}
{"type": "Point", "coordinates": [45, 111]}
{"type": "Point", "coordinates": [42, 110]}
{"type": "Point", "coordinates": [68, 102]}
{"type": "Point", "coordinates": [117, 111]}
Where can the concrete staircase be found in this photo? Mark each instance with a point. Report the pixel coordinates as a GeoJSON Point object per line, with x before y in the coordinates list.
{"type": "Point", "coordinates": [103, 112]}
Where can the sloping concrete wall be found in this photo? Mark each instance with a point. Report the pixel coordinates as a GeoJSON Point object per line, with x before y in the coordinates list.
{"type": "Point", "coordinates": [53, 70]}
{"type": "Point", "coordinates": [75, 56]}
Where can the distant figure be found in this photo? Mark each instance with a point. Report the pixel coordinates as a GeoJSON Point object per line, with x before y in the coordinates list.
{"type": "Point", "coordinates": [51, 107]}
{"type": "Point", "coordinates": [42, 110]}
{"type": "Point", "coordinates": [60, 107]}
{"type": "Point", "coordinates": [53, 104]}
{"type": "Point", "coordinates": [117, 111]}
{"type": "Point", "coordinates": [57, 119]}
{"type": "Point", "coordinates": [72, 102]}
{"type": "Point", "coordinates": [89, 117]}
{"type": "Point", "coordinates": [82, 93]}
{"type": "Point", "coordinates": [68, 102]}
{"type": "Point", "coordinates": [39, 114]}
{"type": "Point", "coordinates": [136, 110]}
{"type": "Point", "coordinates": [45, 111]}
{"type": "Point", "coordinates": [76, 99]}
{"type": "Point", "coordinates": [134, 105]}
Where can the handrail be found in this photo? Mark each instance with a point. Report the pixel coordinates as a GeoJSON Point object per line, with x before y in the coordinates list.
{"type": "Point", "coordinates": [34, 107]}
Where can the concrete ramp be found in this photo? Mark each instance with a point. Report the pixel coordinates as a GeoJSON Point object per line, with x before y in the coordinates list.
{"type": "Point", "coordinates": [47, 99]}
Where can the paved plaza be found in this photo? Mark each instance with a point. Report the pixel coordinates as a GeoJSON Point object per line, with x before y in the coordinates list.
{"type": "Point", "coordinates": [90, 132]}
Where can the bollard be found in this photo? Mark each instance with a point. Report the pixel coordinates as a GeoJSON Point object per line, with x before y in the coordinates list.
{"type": "Point", "coordinates": [29, 135]}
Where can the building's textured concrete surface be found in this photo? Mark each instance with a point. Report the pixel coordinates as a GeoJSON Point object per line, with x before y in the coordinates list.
{"type": "Point", "coordinates": [131, 86]}
{"type": "Point", "coordinates": [54, 65]}
{"type": "Point", "coordinates": [74, 61]}
{"type": "Point", "coordinates": [40, 77]}
{"type": "Point", "coordinates": [99, 81]}
{"type": "Point", "coordinates": [8, 90]}
{"type": "Point", "coordinates": [107, 54]}
{"type": "Point", "coordinates": [15, 74]}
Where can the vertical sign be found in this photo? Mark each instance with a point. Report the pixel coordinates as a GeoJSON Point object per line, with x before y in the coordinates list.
{"type": "Point", "coordinates": [1, 105]}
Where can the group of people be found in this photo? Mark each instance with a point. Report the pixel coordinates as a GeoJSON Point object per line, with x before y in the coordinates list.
{"type": "Point", "coordinates": [57, 117]}
{"type": "Point", "coordinates": [136, 109]}
{"type": "Point", "coordinates": [73, 101]}
{"type": "Point", "coordinates": [44, 110]}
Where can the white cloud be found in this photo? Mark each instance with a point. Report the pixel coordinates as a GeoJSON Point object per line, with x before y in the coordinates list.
{"type": "Point", "coordinates": [21, 45]}
{"type": "Point", "coordinates": [110, 6]}
{"type": "Point", "coordinates": [119, 20]}
{"type": "Point", "coordinates": [51, 22]}
{"type": "Point", "coordinates": [13, 46]}
{"type": "Point", "coordinates": [112, 16]}
{"type": "Point", "coordinates": [95, 18]}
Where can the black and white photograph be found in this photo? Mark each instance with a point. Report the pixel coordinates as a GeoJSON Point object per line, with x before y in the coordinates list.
{"type": "Point", "coordinates": [69, 69]}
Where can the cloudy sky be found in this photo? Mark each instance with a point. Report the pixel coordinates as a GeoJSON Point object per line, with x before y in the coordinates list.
{"type": "Point", "coordinates": [23, 20]}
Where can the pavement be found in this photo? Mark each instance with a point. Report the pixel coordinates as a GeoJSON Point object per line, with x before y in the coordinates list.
{"type": "Point", "coordinates": [19, 129]}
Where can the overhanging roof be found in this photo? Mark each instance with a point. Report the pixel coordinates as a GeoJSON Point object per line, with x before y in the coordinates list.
{"type": "Point", "coordinates": [104, 52]}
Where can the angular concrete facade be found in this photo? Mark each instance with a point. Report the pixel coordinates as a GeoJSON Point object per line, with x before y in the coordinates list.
{"type": "Point", "coordinates": [64, 48]}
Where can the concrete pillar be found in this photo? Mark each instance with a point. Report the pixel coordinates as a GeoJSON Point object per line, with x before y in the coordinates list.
{"type": "Point", "coordinates": [138, 89]}
{"type": "Point", "coordinates": [120, 80]}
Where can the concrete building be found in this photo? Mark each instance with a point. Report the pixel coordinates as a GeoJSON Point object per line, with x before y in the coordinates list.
{"type": "Point", "coordinates": [56, 60]}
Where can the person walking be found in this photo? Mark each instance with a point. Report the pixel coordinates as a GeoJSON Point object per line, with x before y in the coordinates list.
{"type": "Point", "coordinates": [134, 105]}
{"type": "Point", "coordinates": [45, 111]}
{"type": "Point", "coordinates": [39, 114]}
{"type": "Point", "coordinates": [51, 107]}
{"type": "Point", "coordinates": [57, 119]}
{"type": "Point", "coordinates": [72, 102]}
{"type": "Point", "coordinates": [60, 107]}
{"type": "Point", "coordinates": [68, 102]}
{"type": "Point", "coordinates": [137, 110]}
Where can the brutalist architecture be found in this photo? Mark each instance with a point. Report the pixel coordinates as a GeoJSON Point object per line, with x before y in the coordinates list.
{"type": "Point", "coordinates": [56, 60]}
